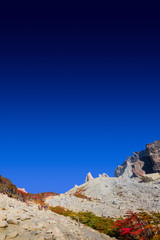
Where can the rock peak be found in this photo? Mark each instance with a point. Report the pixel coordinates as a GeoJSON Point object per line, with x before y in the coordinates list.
{"type": "Point", "coordinates": [89, 177]}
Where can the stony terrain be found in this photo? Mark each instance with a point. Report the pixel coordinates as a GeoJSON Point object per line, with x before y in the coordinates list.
{"type": "Point", "coordinates": [21, 222]}
{"type": "Point", "coordinates": [111, 196]}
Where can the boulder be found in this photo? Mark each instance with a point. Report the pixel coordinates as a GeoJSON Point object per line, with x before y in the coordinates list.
{"type": "Point", "coordinates": [2, 217]}
{"type": "Point", "coordinates": [3, 224]}
{"type": "Point", "coordinates": [150, 177]}
{"type": "Point", "coordinates": [25, 217]}
{"type": "Point", "coordinates": [25, 226]}
{"type": "Point", "coordinates": [11, 219]}
{"type": "Point", "coordinates": [57, 233]}
{"type": "Point", "coordinates": [13, 234]}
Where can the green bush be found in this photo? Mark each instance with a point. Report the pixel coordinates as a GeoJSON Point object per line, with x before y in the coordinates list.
{"type": "Point", "coordinates": [101, 224]}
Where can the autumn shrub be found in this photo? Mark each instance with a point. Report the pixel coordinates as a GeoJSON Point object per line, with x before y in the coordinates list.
{"type": "Point", "coordinates": [38, 198]}
{"type": "Point", "coordinates": [61, 210]}
{"type": "Point", "coordinates": [101, 224]}
{"type": "Point", "coordinates": [142, 226]}
{"type": "Point", "coordinates": [80, 194]}
{"type": "Point", "coordinates": [8, 188]}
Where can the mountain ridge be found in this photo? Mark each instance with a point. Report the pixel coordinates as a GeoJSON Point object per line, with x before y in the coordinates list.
{"type": "Point", "coordinates": [143, 162]}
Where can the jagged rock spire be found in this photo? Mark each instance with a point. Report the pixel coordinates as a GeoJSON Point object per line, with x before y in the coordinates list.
{"type": "Point", "coordinates": [88, 177]}
{"type": "Point", "coordinates": [103, 175]}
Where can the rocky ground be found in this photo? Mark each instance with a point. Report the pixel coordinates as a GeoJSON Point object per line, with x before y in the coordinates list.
{"type": "Point", "coordinates": [21, 222]}
{"type": "Point", "coordinates": [111, 196]}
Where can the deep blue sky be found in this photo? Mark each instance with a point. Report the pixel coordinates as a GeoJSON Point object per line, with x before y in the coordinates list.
{"type": "Point", "coordinates": [79, 90]}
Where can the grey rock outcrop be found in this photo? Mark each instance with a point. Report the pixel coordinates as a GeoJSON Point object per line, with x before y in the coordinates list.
{"type": "Point", "coordinates": [140, 163]}
{"type": "Point", "coordinates": [124, 170]}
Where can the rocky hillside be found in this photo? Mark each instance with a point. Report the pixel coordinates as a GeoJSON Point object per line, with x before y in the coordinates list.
{"type": "Point", "coordinates": [21, 218]}
{"type": "Point", "coordinates": [105, 196]}
{"type": "Point", "coordinates": [132, 187]}
{"type": "Point", "coordinates": [20, 221]}
{"type": "Point", "coordinates": [140, 163]}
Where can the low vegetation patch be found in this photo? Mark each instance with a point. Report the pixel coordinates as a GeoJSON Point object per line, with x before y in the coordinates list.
{"type": "Point", "coordinates": [134, 226]}
{"type": "Point", "coordinates": [101, 224]}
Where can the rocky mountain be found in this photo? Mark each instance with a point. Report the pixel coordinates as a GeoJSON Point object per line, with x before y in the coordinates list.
{"type": "Point", "coordinates": [144, 162]}
{"type": "Point", "coordinates": [103, 196]}
{"type": "Point", "coordinates": [135, 187]}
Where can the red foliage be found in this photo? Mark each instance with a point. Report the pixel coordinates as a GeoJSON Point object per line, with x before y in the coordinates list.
{"type": "Point", "coordinates": [125, 230]}
{"type": "Point", "coordinates": [38, 198]}
{"type": "Point", "coordinates": [140, 226]}
{"type": "Point", "coordinates": [80, 194]}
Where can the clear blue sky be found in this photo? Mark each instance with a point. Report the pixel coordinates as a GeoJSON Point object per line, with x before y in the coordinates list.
{"type": "Point", "coordinates": [79, 91]}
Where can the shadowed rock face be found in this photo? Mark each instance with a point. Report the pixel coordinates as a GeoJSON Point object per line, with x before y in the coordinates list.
{"type": "Point", "coordinates": [140, 163]}
{"type": "Point", "coordinates": [153, 151]}
{"type": "Point", "coordinates": [137, 168]}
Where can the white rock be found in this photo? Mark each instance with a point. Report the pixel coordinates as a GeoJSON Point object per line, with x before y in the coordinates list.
{"type": "Point", "coordinates": [57, 233]}
{"type": "Point", "coordinates": [25, 226]}
{"type": "Point", "coordinates": [3, 217]}
{"type": "Point", "coordinates": [3, 236]}
{"type": "Point", "coordinates": [11, 219]}
{"type": "Point", "coordinates": [150, 177]}
{"type": "Point", "coordinates": [3, 224]}
{"type": "Point", "coordinates": [12, 234]}
{"type": "Point", "coordinates": [49, 231]}
{"type": "Point", "coordinates": [25, 217]}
